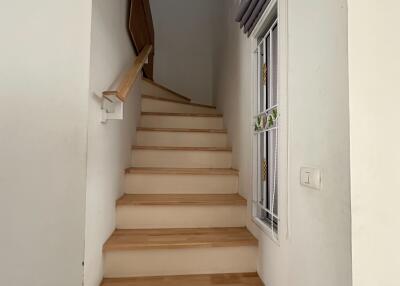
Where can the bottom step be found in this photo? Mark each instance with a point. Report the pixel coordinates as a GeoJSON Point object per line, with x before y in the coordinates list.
{"type": "Point", "coordinates": [238, 279]}
{"type": "Point", "coordinates": [167, 252]}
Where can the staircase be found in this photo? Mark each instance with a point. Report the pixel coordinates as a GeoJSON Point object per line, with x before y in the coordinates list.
{"type": "Point", "coordinates": [181, 220]}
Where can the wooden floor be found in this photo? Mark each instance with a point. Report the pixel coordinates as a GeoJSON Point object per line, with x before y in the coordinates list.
{"type": "Point", "coordinates": [133, 239]}
{"type": "Point", "coordinates": [238, 279]}
{"type": "Point", "coordinates": [182, 199]}
{"type": "Point", "coordinates": [165, 89]}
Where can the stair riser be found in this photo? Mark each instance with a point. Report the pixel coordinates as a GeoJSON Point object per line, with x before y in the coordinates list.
{"type": "Point", "coordinates": [186, 261]}
{"type": "Point", "coordinates": [153, 216]}
{"type": "Point", "coordinates": [180, 184]}
{"type": "Point", "coordinates": [181, 139]}
{"type": "Point", "coordinates": [181, 159]}
{"type": "Point", "coordinates": [157, 121]}
{"type": "Point", "coordinates": [150, 89]}
{"type": "Point", "coordinates": [152, 105]}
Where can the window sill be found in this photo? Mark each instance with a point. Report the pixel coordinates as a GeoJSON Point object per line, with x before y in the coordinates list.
{"type": "Point", "coordinates": [266, 230]}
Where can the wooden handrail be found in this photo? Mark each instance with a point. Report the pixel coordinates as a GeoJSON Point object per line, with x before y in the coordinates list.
{"type": "Point", "coordinates": [128, 78]}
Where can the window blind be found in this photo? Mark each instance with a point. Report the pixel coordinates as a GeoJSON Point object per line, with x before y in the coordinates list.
{"type": "Point", "coordinates": [249, 13]}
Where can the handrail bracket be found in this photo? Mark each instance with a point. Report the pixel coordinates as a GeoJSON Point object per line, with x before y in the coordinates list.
{"type": "Point", "coordinates": [112, 108]}
{"type": "Point", "coordinates": [113, 100]}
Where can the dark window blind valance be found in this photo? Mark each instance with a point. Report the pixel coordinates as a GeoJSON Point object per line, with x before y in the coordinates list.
{"type": "Point", "coordinates": [249, 13]}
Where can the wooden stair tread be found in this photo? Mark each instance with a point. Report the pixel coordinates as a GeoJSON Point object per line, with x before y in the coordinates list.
{"type": "Point", "coordinates": [182, 171]}
{"type": "Point", "coordinates": [181, 114]}
{"type": "Point", "coordinates": [166, 89]}
{"type": "Point", "coordinates": [216, 149]}
{"type": "Point", "coordinates": [151, 129]}
{"type": "Point", "coordinates": [135, 239]}
{"type": "Point", "coordinates": [235, 279]}
{"type": "Point", "coordinates": [177, 101]}
{"type": "Point", "coordinates": [181, 199]}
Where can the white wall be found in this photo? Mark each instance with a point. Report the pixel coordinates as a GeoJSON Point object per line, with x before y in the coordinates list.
{"type": "Point", "coordinates": [232, 87]}
{"type": "Point", "coordinates": [109, 144]}
{"type": "Point", "coordinates": [184, 46]}
{"type": "Point", "coordinates": [44, 80]}
{"type": "Point", "coordinates": [319, 136]}
{"type": "Point", "coordinates": [374, 63]}
{"type": "Point", "coordinates": [317, 250]}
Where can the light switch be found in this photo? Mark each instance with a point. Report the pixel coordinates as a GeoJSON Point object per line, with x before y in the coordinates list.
{"type": "Point", "coordinates": [310, 177]}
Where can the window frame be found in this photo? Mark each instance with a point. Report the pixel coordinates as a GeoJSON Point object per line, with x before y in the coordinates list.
{"type": "Point", "coordinates": [276, 9]}
{"type": "Point", "coordinates": [267, 145]}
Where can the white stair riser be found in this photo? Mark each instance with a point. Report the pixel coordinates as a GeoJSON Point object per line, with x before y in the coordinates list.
{"type": "Point", "coordinates": [193, 122]}
{"type": "Point", "coordinates": [178, 216]}
{"type": "Point", "coordinates": [153, 105]}
{"type": "Point", "coordinates": [150, 89]}
{"type": "Point", "coordinates": [180, 184]}
{"type": "Point", "coordinates": [181, 139]}
{"type": "Point", "coordinates": [184, 261]}
{"type": "Point", "coordinates": [181, 159]}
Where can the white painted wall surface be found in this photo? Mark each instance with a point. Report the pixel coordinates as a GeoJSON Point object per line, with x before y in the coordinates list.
{"type": "Point", "coordinates": [320, 222]}
{"type": "Point", "coordinates": [374, 63]}
{"type": "Point", "coordinates": [232, 87]}
{"type": "Point", "coordinates": [44, 80]}
{"type": "Point", "coordinates": [109, 146]}
{"type": "Point", "coordinates": [184, 46]}
{"type": "Point", "coordinates": [318, 248]}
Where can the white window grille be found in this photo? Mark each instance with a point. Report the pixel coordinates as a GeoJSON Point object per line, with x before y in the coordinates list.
{"type": "Point", "coordinates": [266, 128]}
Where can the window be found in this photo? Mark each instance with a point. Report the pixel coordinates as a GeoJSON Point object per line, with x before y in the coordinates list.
{"type": "Point", "coordinates": [266, 128]}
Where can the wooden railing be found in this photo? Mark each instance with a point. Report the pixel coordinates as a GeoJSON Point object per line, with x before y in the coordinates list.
{"type": "Point", "coordinates": [124, 85]}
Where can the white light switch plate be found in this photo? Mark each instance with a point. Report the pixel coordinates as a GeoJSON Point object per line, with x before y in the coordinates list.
{"type": "Point", "coordinates": [310, 177]}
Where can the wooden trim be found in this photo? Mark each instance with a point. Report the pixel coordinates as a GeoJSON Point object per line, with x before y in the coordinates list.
{"type": "Point", "coordinates": [180, 114]}
{"type": "Point", "coordinates": [166, 89]}
{"type": "Point", "coordinates": [177, 101]}
{"type": "Point", "coordinates": [137, 239]}
{"type": "Point", "coordinates": [181, 171]}
{"type": "Point", "coordinates": [128, 79]}
{"type": "Point", "coordinates": [181, 130]}
{"type": "Point", "coordinates": [167, 148]}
